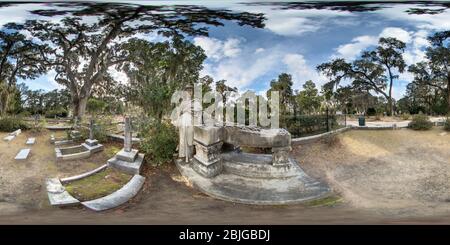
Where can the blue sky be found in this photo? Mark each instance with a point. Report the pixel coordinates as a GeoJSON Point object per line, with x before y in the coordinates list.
{"type": "Point", "coordinates": [293, 41]}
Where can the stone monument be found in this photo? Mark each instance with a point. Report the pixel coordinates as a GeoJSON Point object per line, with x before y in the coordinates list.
{"type": "Point", "coordinates": [92, 144]}
{"type": "Point", "coordinates": [127, 159]}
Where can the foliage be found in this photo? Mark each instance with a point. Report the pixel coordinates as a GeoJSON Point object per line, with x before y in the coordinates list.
{"type": "Point", "coordinates": [9, 124]}
{"type": "Point", "coordinates": [303, 125]}
{"type": "Point", "coordinates": [373, 71]}
{"type": "Point", "coordinates": [157, 70]}
{"type": "Point", "coordinates": [57, 112]}
{"type": "Point", "coordinates": [405, 116]}
{"type": "Point", "coordinates": [159, 140]}
{"type": "Point", "coordinates": [420, 122]}
{"type": "Point", "coordinates": [95, 106]}
{"type": "Point", "coordinates": [447, 124]}
{"type": "Point", "coordinates": [308, 100]}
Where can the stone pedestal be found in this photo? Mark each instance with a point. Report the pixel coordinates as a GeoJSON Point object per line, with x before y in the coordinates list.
{"type": "Point", "coordinates": [127, 156]}
{"type": "Point", "coordinates": [280, 155]}
{"type": "Point", "coordinates": [207, 161]}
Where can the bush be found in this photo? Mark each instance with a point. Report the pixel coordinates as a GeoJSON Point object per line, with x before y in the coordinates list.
{"type": "Point", "coordinates": [9, 124]}
{"type": "Point", "coordinates": [447, 124]}
{"type": "Point", "coordinates": [420, 122]}
{"type": "Point", "coordinates": [405, 116]}
{"type": "Point", "coordinates": [58, 112]}
{"type": "Point", "coordinates": [159, 140]}
{"type": "Point", "coordinates": [309, 124]}
{"type": "Point", "coordinates": [371, 111]}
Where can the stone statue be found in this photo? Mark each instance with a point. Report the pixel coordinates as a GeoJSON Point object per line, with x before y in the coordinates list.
{"type": "Point", "coordinates": [189, 113]}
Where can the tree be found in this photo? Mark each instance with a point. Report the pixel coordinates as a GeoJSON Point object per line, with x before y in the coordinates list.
{"type": "Point", "coordinates": [19, 58]}
{"type": "Point", "coordinates": [308, 99]}
{"type": "Point", "coordinates": [374, 70]}
{"type": "Point", "coordinates": [434, 72]}
{"type": "Point", "coordinates": [157, 70]}
{"type": "Point", "coordinates": [283, 84]}
{"type": "Point", "coordinates": [84, 51]}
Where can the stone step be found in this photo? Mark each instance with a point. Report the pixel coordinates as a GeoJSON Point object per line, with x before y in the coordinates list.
{"type": "Point", "coordinates": [118, 197]}
{"type": "Point", "coordinates": [23, 154]}
{"type": "Point", "coordinates": [127, 167]}
{"type": "Point", "coordinates": [261, 191]}
{"type": "Point", "coordinates": [256, 166]}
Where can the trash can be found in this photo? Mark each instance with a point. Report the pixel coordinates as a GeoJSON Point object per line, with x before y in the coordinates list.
{"type": "Point", "coordinates": [362, 121]}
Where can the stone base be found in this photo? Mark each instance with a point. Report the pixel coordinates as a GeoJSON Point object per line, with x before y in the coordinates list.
{"type": "Point", "coordinates": [133, 167]}
{"type": "Point", "coordinates": [207, 170]}
{"type": "Point", "coordinates": [93, 148]}
{"type": "Point", "coordinates": [90, 142]}
{"type": "Point", "coordinates": [127, 156]}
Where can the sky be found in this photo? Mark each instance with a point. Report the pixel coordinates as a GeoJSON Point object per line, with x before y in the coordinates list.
{"type": "Point", "coordinates": [293, 41]}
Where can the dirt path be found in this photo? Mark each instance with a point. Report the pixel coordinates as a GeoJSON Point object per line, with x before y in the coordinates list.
{"type": "Point", "coordinates": [384, 177]}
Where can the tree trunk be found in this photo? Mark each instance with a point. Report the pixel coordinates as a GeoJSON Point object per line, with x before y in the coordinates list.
{"type": "Point", "coordinates": [79, 106]}
{"type": "Point", "coordinates": [448, 95]}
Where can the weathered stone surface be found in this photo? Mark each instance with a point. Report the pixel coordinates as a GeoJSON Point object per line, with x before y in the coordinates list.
{"type": "Point", "coordinates": [55, 127]}
{"type": "Point", "coordinates": [93, 149]}
{"type": "Point", "coordinates": [72, 153]}
{"type": "Point", "coordinates": [294, 187]}
{"type": "Point", "coordinates": [57, 194]}
{"type": "Point", "coordinates": [208, 135]}
{"type": "Point", "coordinates": [127, 144]}
{"type": "Point", "coordinates": [91, 142]}
{"type": "Point", "coordinates": [280, 155]}
{"type": "Point", "coordinates": [118, 197]}
{"type": "Point", "coordinates": [127, 167]}
{"type": "Point", "coordinates": [31, 141]}
{"type": "Point", "coordinates": [83, 175]}
{"type": "Point", "coordinates": [256, 137]}
{"type": "Point", "coordinates": [128, 156]}
{"type": "Point", "coordinates": [62, 142]}
{"type": "Point", "coordinates": [9, 138]}
{"type": "Point", "coordinates": [17, 132]}
{"type": "Point", "coordinates": [23, 154]}
{"type": "Point", "coordinates": [207, 160]}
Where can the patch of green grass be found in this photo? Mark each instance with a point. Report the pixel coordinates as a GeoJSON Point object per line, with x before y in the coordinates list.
{"type": "Point", "coordinates": [98, 185]}
{"type": "Point", "coordinates": [326, 201]}
{"type": "Point", "coordinates": [111, 151]}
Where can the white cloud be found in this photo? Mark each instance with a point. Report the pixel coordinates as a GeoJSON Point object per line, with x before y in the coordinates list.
{"type": "Point", "coordinates": [259, 50]}
{"type": "Point", "coordinates": [217, 49]}
{"type": "Point", "coordinates": [397, 33]}
{"type": "Point", "coordinates": [351, 50]}
{"type": "Point", "coordinates": [301, 72]}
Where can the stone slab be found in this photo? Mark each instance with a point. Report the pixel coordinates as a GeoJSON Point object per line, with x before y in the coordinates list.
{"type": "Point", "coordinates": [94, 148]}
{"type": "Point", "coordinates": [259, 191]}
{"type": "Point", "coordinates": [31, 141]}
{"type": "Point", "coordinates": [9, 138]}
{"type": "Point", "coordinates": [17, 132]}
{"type": "Point", "coordinates": [208, 135]}
{"type": "Point", "coordinates": [23, 154]}
{"type": "Point", "coordinates": [57, 194]}
{"type": "Point", "coordinates": [91, 142]}
{"type": "Point", "coordinates": [128, 156]}
{"type": "Point", "coordinates": [63, 142]}
{"type": "Point", "coordinates": [127, 167]}
{"type": "Point", "coordinates": [54, 127]}
{"type": "Point", "coordinates": [119, 197]}
{"type": "Point", "coordinates": [83, 175]}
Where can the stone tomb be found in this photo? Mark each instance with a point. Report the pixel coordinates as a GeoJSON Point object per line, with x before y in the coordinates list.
{"type": "Point", "coordinates": [128, 160]}
{"type": "Point", "coordinates": [220, 169]}
{"type": "Point", "coordinates": [31, 141]}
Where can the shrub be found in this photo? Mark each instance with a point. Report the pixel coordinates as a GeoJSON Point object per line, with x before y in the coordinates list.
{"type": "Point", "coordinates": [58, 112]}
{"type": "Point", "coordinates": [371, 112]}
{"type": "Point", "coordinates": [405, 116]}
{"type": "Point", "coordinates": [447, 124]}
{"type": "Point", "coordinates": [309, 124]}
{"type": "Point", "coordinates": [420, 122]}
{"type": "Point", "coordinates": [9, 124]}
{"type": "Point", "coordinates": [159, 140]}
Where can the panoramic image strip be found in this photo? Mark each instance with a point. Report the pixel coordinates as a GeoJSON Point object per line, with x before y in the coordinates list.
{"type": "Point", "coordinates": [225, 112]}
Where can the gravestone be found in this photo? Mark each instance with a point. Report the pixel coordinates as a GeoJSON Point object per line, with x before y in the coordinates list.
{"type": "Point", "coordinates": [31, 141]}
{"type": "Point", "coordinates": [23, 154]}
{"type": "Point", "coordinates": [91, 143]}
{"type": "Point", "coordinates": [127, 160]}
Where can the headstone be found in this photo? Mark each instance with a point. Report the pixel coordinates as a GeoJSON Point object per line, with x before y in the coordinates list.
{"type": "Point", "coordinates": [23, 154]}
{"type": "Point", "coordinates": [127, 135]}
{"type": "Point", "coordinates": [91, 129]}
{"type": "Point", "coordinates": [31, 141]}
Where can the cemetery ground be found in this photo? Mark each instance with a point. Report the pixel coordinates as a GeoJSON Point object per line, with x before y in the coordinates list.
{"type": "Point", "coordinates": [382, 176]}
